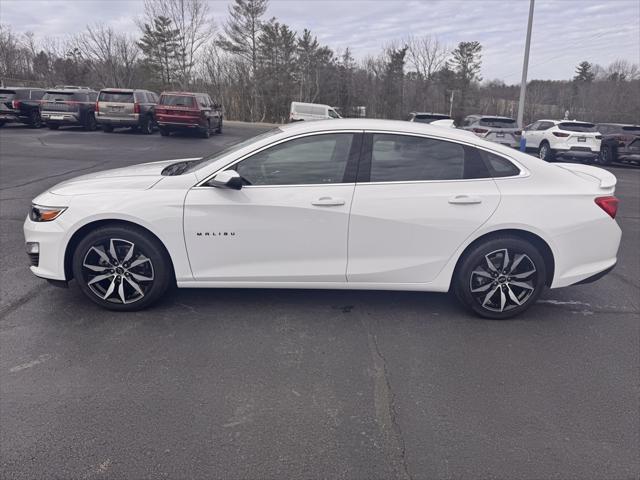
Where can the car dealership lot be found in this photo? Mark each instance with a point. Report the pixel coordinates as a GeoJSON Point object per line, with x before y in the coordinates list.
{"type": "Point", "coordinates": [279, 384]}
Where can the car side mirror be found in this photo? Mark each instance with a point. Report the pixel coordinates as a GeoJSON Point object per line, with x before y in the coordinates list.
{"type": "Point", "coordinates": [217, 106]}
{"type": "Point", "coordinates": [227, 179]}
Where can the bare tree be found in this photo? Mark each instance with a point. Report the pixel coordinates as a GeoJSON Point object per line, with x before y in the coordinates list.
{"type": "Point", "coordinates": [193, 20]}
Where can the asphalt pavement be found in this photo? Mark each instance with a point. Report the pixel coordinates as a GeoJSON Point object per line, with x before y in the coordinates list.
{"type": "Point", "coordinates": [271, 384]}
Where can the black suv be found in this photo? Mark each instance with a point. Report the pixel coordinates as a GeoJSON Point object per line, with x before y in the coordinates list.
{"type": "Point", "coordinates": [69, 106]}
{"type": "Point", "coordinates": [620, 143]}
{"type": "Point", "coordinates": [21, 104]}
{"type": "Point", "coordinates": [119, 107]}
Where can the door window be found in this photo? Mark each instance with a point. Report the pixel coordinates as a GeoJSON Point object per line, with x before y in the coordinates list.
{"type": "Point", "coordinates": [333, 114]}
{"type": "Point", "coordinates": [545, 125]}
{"type": "Point", "coordinates": [318, 159]}
{"type": "Point", "coordinates": [403, 158]}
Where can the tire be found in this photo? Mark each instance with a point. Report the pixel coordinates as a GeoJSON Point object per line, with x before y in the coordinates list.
{"type": "Point", "coordinates": [219, 129]}
{"type": "Point", "coordinates": [34, 119]}
{"type": "Point", "coordinates": [1, 124]}
{"type": "Point", "coordinates": [53, 126]}
{"type": "Point", "coordinates": [90, 125]}
{"type": "Point", "coordinates": [545, 153]}
{"type": "Point", "coordinates": [131, 282]}
{"type": "Point", "coordinates": [107, 128]}
{"type": "Point", "coordinates": [206, 133]}
{"type": "Point", "coordinates": [607, 155]}
{"type": "Point", "coordinates": [164, 131]}
{"type": "Point", "coordinates": [482, 287]}
{"type": "Point", "coordinates": [146, 127]}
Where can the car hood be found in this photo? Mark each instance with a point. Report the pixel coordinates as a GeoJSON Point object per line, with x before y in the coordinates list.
{"type": "Point", "coordinates": [135, 177]}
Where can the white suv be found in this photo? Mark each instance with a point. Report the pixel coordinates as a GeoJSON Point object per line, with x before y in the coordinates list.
{"type": "Point", "coordinates": [567, 138]}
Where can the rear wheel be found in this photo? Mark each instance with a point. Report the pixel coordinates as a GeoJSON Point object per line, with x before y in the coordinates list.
{"type": "Point", "coordinates": [545, 153]}
{"type": "Point", "coordinates": [90, 125]}
{"type": "Point", "coordinates": [500, 278]}
{"type": "Point", "coordinates": [34, 119]}
{"type": "Point", "coordinates": [146, 126]}
{"type": "Point", "coordinates": [164, 131]}
{"type": "Point", "coordinates": [219, 129]}
{"type": "Point", "coordinates": [206, 132]}
{"type": "Point", "coordinates": [607, 155]}
{"type": "Point", "coordinates": [122, 268]}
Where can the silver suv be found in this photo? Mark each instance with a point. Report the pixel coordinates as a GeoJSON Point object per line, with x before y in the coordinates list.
{"type": "Point", "coordinates": [121, 107]}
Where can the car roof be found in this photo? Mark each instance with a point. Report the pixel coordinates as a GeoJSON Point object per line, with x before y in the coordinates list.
{"type": "Point", "coordinates": [123, 90]}
{"type": "Point", "coordinates": [21, 88]}
{"type": "Point", "coordinates": [429, 113]}
{"type": "Point", "coordinates": [69, 90]}
{"type": "Point", "coordinates": [183, 93]}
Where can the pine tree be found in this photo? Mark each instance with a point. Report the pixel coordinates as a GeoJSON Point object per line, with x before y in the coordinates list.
{"type": "Point", "coordinates": [159, 44]}
{"type": "Point", "coordinates": [584, 73]}
{"type": "Point", "coordinates": [466, 63]}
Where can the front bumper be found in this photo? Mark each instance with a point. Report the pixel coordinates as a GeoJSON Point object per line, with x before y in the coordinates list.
{"type": "Point", "coordinates": [60, 118]}
{"type": "Point", "coordinates": [51, 238]}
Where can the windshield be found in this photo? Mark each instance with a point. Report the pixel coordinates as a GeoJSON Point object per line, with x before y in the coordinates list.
{"type": "Point", "coordinates": [577, 127]}
{"type": "Point", "coordinates": [498, 122]}
{"type": "Point", "coordinates": [230, 149]}
{"type": "Point", "coordinates": [176, 100]}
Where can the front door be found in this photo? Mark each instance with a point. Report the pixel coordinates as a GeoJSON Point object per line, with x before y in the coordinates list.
{"type": "Point", "coordinates": [289, 222]}
{"type": "Point", "coordinates": [416, 201]}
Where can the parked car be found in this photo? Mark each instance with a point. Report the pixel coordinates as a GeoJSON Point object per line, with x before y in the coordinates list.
{"type": "Point", "coordinates": [311, 111]}
{"type": "Point", "coordinates": [69, 106]}
{"type": "Point", "coordinates": [178, 111]}
{"type": "Point", "coordinates": [21, 104]}
{"type": "Point", "coordinates": [563, 138]}
{"type": "Point", "coordinates": [118, 107]}
{"type": "Point", "coordinates": [412, 210]}
{"type": "Point", "coordinates": [620, 142]}
{"type": "Point", "coordinates": [502, 130]}
{"type": "Point", "coordinates": [427, 117]}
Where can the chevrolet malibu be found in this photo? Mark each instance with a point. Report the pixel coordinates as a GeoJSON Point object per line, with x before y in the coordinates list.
{"type": "Point", "coordinates": [341, 204]}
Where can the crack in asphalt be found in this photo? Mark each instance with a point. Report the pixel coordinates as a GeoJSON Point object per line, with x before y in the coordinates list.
{"type": "Point", "coordinates": [386, 414]}
{"type": "Point", "coordinates": [52, 176]}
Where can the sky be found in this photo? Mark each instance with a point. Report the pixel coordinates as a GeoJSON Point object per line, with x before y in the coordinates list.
{"type": "Point", "coordinates": [565, 32]}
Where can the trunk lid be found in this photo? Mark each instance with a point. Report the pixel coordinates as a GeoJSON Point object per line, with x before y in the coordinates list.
{"type": "Point", "coordinates": [604, 179]}
{"type": "Point", "coordinates": [60, 102]}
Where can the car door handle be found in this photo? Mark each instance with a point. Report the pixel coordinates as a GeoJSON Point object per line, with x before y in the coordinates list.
{"type": "Point", "coordinates": [328, 202]}
{"type": "Point", "coordinates": [465, 200]}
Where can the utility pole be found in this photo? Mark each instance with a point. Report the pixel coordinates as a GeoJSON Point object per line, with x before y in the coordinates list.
{"type": "Point", "coordinates": [525, 66]}
{"type": "Point", "coordinates": [451, 103]}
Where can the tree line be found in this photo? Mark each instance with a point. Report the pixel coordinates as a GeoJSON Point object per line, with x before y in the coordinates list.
{"type": "Point", "coordinates": [255, 66]}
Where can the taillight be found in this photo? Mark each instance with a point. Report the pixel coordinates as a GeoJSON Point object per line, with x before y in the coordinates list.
{"type": "Point", "coordinates": [608, 204]}
{"type": "Point", "coordinates": [480, 130]}
{"type": "Point", "coordinates": [560, 134]}
{"type": "Point", "coordinates": [136, 108]}
{"type": "Point", "coordinates": [518, 132]}
{"type": "Point", "coordinates": [598, 137]}
{"type": "Point", "coordinates": [97, 107]}
{"type": "Point", "coordinates": [15, 104]}
{"type": "Point", "coordinates": [160, 110]}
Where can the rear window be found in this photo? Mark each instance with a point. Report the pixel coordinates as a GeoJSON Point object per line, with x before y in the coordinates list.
{"type": "Point", "coordinates": [498, 122]}
{"type": "Point", "coordinates": [116, 97]}
{"type": "Point", "coordinates": [430, 118]}
{"type": "Point", "coordinates": [176, 100]}
{"type": "Point", "coordinates": [61, 96]}
{"type": "Point", "coordinates": [631, 128]}
{"type": "Point", "coordinates": [577, 127]}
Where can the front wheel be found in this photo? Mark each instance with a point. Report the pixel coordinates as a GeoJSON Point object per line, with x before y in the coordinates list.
{"type": "Point", "coordinates": [122, 268]}
{"type": "Point", "coordinates": [607, 155]}
{"type": "Point", "coordinates": [219, 129]}
{"type": "Point", "coordinates": [90, 124]}
{"type": "Point", "coordinates": [34, 119]}
{"type": "Point", "coordinates": [500, 278]}
{"type": "Point", "coordinates": [164, 131]}
{"type": "Point", "coordinates": [146, 126]}
{"type": "Point", "coordinates": [206, 132]}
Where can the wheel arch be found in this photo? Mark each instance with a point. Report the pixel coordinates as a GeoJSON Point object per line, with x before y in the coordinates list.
{"type": "Point", "coordinates": [84, 230]}
{"type": "Point", "coordinates": [542, 246]}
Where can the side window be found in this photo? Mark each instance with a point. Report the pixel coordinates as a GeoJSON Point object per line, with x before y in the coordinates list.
{"type": "Point", "coordinates": [498, 166]}
{"type": "Point", "coordinates": [403, 158]}
{"type": "Point", "coordinates": [545, 125]}
{"type": "Point", "coordinates": [333, 114]}
{"type": "Point", "coordinates": [318, 159]}
{"type": "Point", "coordinates": [37, 94]}
{"type": "Point", "coordinates": [533, 126]}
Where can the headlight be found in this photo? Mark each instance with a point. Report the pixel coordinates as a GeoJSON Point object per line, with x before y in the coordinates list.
{"type": "Point", "coordinates": [39, 213]}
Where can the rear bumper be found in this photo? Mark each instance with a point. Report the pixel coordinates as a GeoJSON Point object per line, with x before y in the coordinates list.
{"type": "Point", "coordinates": [60, 118]}
{"type": "Point", "coordinates": [178, 125]}
{"type": "Point", "coordinates": [577, 153]}
{"type": "Point", "coordinates": [597, 276]}
{"type": "Point", "coordinates": [13, 117]}
{"type": "Point", "coordinates": [131, 121]}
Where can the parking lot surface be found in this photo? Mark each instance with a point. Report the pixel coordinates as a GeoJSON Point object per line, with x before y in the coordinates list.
{"type": "Point", "coordinates": [303, 384]}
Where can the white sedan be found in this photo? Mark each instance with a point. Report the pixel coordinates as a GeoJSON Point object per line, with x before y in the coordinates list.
{"type": "Point", "coordinates": [342, 204]}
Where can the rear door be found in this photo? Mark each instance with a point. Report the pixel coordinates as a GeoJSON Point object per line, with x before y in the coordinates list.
{"type": "Point", "coordinates": [416, 201]}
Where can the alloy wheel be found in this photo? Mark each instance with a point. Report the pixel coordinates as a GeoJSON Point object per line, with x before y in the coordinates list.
{"type": "Point", "coordinates": [543, 152]}
{"type": "Point", "coordinates": [504, 280]}
{"type": "Point", "coordinates": [117, 271]}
